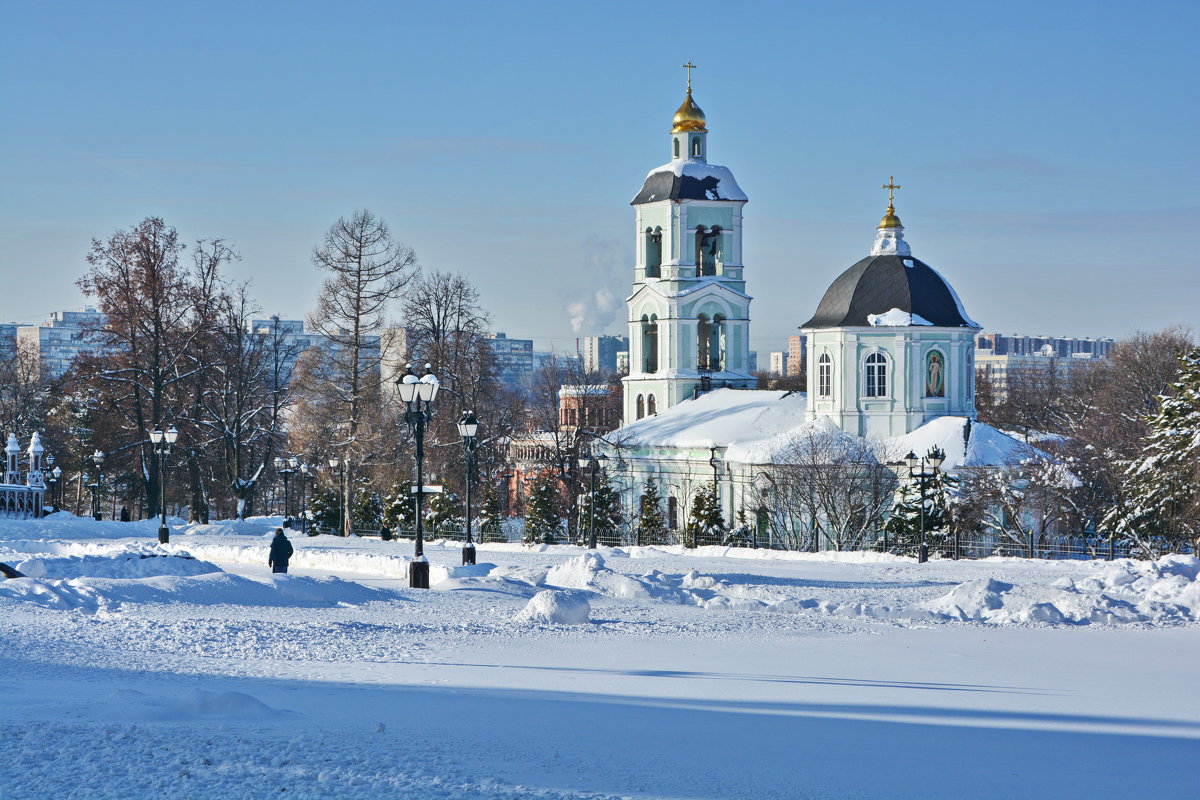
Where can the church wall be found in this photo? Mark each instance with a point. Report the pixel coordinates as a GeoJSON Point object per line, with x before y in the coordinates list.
{"type": "Point", "coordinates": [906, 405]}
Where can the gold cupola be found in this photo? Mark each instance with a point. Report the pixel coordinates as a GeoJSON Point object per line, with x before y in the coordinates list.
{"type": "Point", "coordinates": [689, 117]}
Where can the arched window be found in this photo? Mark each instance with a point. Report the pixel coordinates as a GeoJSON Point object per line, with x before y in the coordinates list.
{"type": "Point", "coordinates": [716, 344]}
{"type": "Point", "coordinates": [653, 252]}
{"type": "Point", "coordinates": [824, 375]}
{"type": "Point", "coordinates": [641, 406]}
{"type": "Point", "coordinates": [677, 148]}
{"type": "Point", "coordinates": [650, 343]}
{"type": "Point", "coordinates": [876, 376]}
{"type": "Point", "coordinates": [703, 342]}
{"type": "Point", "coordinates": [696, 146]}
{"type": "Point", "coordinates": [707, 247]}
{"type": "Point", "coordinates": [651, 405]}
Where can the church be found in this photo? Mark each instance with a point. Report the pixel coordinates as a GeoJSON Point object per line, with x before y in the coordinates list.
{"type": "Point", "coordinates": [891, 351]}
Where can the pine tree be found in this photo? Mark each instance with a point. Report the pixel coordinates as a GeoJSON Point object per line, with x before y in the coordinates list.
{"type": "Point", "coordinates": [608, 517]}
{"type": "Point", "coordinates": [443, 513]}
{"type": "Point", "coordinates": [490, 517]}
{"type": "Point", "coordinates": [1160, 488]}
{"type": "Point", "coordinates": [323, 505]}
{"type": "Point", "coordinates": [904, 522]}
{"type": "Point", "coordinates": [652, 524]}
{"type": "Point", "coordinates": [399, 508]}
{"type": "Point", "coordinates": [705, 525]}
{"type": "Point", "coordinates": [367, 512]}
{"type": "Point", "coordinates": [542, 520]}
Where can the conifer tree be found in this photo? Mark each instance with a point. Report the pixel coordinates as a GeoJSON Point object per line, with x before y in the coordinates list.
{"type": "Point", "coordinates": [652, 524]}
{"type": "Point", "coordinates": [904, 522]}
{"type": "Point", "coordinates": [608, 516]}
{"type": "Point", "coordinates": [542, 520]}
{"type": "Point", "coordinates": [1160, 488]}
{"type": "Point", "coordinates": [490, 517]}
{"type": "Point", "coordinates": [705, 524]}
{"type": "Point", "coordinates": [368, 509]}
{"type": "Point", "coordinates": [443, 513]}
{"type": "Point", "coordinates": [399, 508]}
{"type": "Point", "coordinates": [324, 508]}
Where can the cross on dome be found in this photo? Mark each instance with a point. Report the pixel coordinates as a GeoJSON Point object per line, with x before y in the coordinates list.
{"type": "Point", "coordinates": [689, 67]}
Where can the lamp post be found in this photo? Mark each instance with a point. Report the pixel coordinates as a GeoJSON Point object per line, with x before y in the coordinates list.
{"type": "Point", "coordinates": [97, 459]}
{"type": "Point", "coordinates": [418, 395]}
{"type": "Point", "coordinates": [306, 475]}
{"type": "Point", "coordinates": [336, 463]}
{"type": "Point", "coordinates": [286, 468]}
{"type": "Point", "coordinates": [930, 465]}
{"type": "Point", "coordinates": [52, 480]}
{"type": "Point", "coordinates": [468, 429]}
{"type": "Point", "coordinates": [592, 463]}
{"type": "Point", "coordinates": [162, 442]}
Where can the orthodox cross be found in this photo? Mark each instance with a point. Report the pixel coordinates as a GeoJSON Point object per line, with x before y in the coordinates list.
{"type": "Point", "coordinates": [891, 185]}
{"type": "Point", "coordinates": [689, 67]}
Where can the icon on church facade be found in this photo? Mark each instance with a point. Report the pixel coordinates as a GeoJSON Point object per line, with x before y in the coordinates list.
{"type": "Point", "coordinates": [935, 375]}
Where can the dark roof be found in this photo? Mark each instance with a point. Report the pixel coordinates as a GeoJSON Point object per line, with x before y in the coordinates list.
{"type": "Point", "coordinates": [696, 181]}
{"type": "Point", "coordinates": [877, 284]}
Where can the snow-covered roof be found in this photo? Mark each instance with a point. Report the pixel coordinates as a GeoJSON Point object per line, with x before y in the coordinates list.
{"type": "Point", "coordinates": [763, 427]}
{"type": "Point", "coordinates": [987, 447]}
{"type": "Point", "coordinates": [689, 179]}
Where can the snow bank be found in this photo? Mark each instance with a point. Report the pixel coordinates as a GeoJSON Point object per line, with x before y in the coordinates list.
{"type": "Point", "coordinates": [143, 560]}
{"type": "Point", "coordinates": [1162, 591]}
{"type": "Point", "coordinates": [589, 573]}
{"type": "Point", "coordinates": [549, 607]}
{"type": "Point", "coordinates": [92, 595]}
{"type": "Point", "coordinates": [333, 559]}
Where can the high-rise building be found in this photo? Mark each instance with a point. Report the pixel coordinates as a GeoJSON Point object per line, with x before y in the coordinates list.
{"type": "Point", "coordinates": [1058, 346]}
{"type": "Point", "coordinates": [514, 359]}
{"type": "Point", "coordinates": [797, 355]}
{"type": "Point", "coordinates": [779, 364]}
{"type": "Point", "coordinates": [600, 353]}
{"type": "Point", "coordinates": [62, 339]}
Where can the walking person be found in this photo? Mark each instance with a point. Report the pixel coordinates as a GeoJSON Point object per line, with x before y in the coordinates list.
{"type": "Point", "coordinates": [281, 551]}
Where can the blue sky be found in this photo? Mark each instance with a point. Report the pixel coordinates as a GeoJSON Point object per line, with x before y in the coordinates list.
{"type": "Point", "coordinates": [1046, 150]}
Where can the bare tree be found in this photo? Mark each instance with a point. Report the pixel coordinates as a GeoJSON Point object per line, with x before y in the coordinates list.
{"type": "Point", "coordinates": [834, 486]}
{"type": "Point", "coordinates": [368, 270]}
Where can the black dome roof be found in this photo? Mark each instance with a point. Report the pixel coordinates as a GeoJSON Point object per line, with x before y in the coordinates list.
{"type": "Point", "coordinates": [877, 284]}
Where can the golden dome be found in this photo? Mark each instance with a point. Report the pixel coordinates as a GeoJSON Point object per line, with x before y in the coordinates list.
{"type": "Point", "coordinates": [689, 117]}
{"type": "Point", "coordinates": [890, 220]}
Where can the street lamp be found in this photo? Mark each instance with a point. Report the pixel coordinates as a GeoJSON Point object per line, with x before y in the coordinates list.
{"type": "Point", "coordinates": [306, 475]}
{"type": "Point", "coordinates": [593, 463]}
{"type": "Point", "coordinates": [336, 463]}
{"type": "Point", "coordinates": [418, 395]}
{"type": "Point", "coordinates": [162, 442]}
{"type": "Point", "coordinates": [97, 459]}
{"type": "Point", "coordinates": [933, 460]}
{"type": "Point", "coordinates": [55, 477]}
{"type": "Point", "coordinates": [468, 428]}
{"type": "Point", "coordinates": [286, 468]}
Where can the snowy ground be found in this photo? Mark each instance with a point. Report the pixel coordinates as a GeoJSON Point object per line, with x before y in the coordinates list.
{"type": "Point", "coordinates": [132, 672]}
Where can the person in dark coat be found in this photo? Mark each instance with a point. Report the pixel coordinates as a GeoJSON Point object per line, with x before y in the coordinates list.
{"type": "Point", "coordinates": [281, 551]}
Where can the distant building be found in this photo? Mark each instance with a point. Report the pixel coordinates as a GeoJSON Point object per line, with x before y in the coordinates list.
{"type": "Point", "coordinates": [593, 407]}
{"type": "Point", "coordinates": [62, 339]}
{"type": "Point", "coordinates": [797, 355]}
{"type": "Point", "coordinates": [514, 359]}
{"type": "Point", "coordinates": [1001, 370]}
{"type": "Point", "coordinates": [1057, 346]}
{"type": "Point", "coordinates": [779, 364]}
{"type": "Point", "coordinates": [623, 362]}
{"type": "Point", "coordinates": [600, 353]}
{"type": "Point", "coordinates": [752, 361]}
{"type": "Point", "coordinates": [292, 340]}
{"type": "Point", "coordinates": [8, 337]}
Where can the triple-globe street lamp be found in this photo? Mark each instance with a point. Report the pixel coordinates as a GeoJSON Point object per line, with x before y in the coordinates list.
{"type": "Point", "coordinates": [924, 470]}
{"type": "Point", "coordinates": [468, 429]}
{"type": "Point", "coordinates": [336, 463]}
{"type": "Point", "coordinates": [418, 395]}
{"type": "Point", "coordinates": [162, 442]}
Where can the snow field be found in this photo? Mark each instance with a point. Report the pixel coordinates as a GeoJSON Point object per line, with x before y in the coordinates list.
{"type": "Point", "coordinates": [190, 671]}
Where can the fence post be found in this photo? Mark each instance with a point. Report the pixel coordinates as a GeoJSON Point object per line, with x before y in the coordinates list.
{"type": "Point", "coordinates": [1030, 548]}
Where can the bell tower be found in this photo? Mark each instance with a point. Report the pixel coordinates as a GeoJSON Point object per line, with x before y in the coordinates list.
{"type": "Point", "coordinates": [689, 314]}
